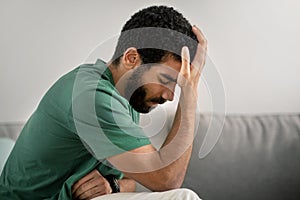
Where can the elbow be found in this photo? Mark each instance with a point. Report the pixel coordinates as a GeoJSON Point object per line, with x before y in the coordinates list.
{"type": "Point", "coordinates": [173, 183]}
{"type": "Point", "coordinates": [168, 182]}
{"type": "Point", "coordinates": [172, 186]}
{"type": "Point", "coordinates": [166, 186]}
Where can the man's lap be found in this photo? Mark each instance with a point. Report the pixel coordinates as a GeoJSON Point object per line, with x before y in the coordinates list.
{"type": "Point", "coordinates": [177, 194]}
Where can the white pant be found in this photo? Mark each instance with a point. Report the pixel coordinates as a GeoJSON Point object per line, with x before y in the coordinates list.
{"type": "Point", "coordinates": [177, 194]}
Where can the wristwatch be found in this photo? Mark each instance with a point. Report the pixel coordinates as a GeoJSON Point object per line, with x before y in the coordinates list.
{"type": "Point", "coordinates": [113, 182]}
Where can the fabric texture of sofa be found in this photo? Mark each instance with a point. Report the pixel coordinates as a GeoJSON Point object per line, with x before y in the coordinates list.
{"type": "Point", "coordinates": [256, 157]}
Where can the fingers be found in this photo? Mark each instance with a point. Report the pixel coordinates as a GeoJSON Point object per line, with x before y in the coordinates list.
{"type": "Point", "coordinates": [200, 36]}
{"type": "Point", "coordinates": [97, 186]}
{"type": "Point", "coordinates": [199, 59]}
{"type": "Point", "coordinates": [89, 193]}
{"type": "Point", "coordinates": [83, 188]}
{"type": "Point", "coordinates": [185, 67]}
{"type": "Point", "coordinates": [185, 56]}
{"type": "Point", "coordinates": [94, 195]}
{"type": "Point", "coordinates": [185, 62]}
{"type": "Point", "coordinates": [85, 179]}
{"type": "Point", "coordinates": [200, 56]}
{"type": "Point", "coordinates": [90, 185]}
{"type": "Point", "coordinates": [93, 192]}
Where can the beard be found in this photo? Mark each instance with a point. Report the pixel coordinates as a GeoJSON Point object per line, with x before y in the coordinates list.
{"type": "Point", "coordinates": [136, 92]}
{"type": "Point", "coordinates": [139, 102]}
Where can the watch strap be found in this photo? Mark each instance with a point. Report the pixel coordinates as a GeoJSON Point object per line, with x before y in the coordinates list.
{"type": "Point", "coordinates": [113, 182]}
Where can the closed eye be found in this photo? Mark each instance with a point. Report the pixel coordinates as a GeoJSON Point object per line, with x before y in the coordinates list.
{"type": "Point", "coordinates": [166, 79]}
{"type": "Point", "coordinates": [163, 81]}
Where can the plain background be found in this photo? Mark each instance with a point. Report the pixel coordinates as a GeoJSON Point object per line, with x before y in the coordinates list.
{"type": "Point", "coordinates": [254, 45]}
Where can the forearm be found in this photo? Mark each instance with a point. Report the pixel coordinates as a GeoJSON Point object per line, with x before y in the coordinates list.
{"type": "Point", "coordinates": [180, 139]}
{"type": "Point", "coordinates": [184, 120]}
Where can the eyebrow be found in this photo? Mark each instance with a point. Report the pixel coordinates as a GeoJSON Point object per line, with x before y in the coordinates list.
{"type": "Point", "coordinates": [168, 77]}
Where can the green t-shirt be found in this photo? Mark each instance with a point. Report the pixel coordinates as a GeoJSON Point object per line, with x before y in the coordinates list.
{"type": "Point", "coordinates": [81, 120]}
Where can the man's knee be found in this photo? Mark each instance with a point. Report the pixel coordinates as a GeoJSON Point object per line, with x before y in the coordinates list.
{"type": "Point", "coordinates": [186, 194]}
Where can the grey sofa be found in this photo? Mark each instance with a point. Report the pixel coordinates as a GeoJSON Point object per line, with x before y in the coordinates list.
{"type": "Point", "coordinates": [256, 157]}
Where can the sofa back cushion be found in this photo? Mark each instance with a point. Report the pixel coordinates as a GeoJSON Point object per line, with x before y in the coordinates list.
{"type": "Point", "coordinates": [256, 157]}
{"type": "Point", "coordinates": [6, 146]}
{"type": "Point", "coordinates": [8, 134]}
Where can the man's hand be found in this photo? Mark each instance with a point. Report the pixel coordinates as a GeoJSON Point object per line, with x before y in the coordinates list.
{"type": "Point", "coordinates": [189, 74]}
{"type": "Point", "coordinates": [90, 186]}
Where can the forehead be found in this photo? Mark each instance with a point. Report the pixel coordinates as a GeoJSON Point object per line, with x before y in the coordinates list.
{"type": "Point", "coordinates": [172, 63]}
{"type": "Point", "coordinates": [169, 66]}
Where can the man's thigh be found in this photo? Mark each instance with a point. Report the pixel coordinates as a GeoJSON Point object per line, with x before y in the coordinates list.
{"type": "Point", "coordinates": [177, 194]}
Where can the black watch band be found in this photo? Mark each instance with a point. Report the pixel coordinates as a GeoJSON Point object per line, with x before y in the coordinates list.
{"type": "Point", "coordinates": [113, 182]}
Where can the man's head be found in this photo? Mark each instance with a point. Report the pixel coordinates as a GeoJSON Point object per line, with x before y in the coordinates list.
{"type": "Point", "coordinates": [152, 84]}
{"type": "Point", "coordinates": [153, 36]}
{"type": "Point", "coordinates": [170, 26]}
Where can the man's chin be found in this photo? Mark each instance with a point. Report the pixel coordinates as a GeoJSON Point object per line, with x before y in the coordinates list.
{"type": "Point", "coordinates": [145, 109]}
{"type": "Point", "coordinates": [152, 108]}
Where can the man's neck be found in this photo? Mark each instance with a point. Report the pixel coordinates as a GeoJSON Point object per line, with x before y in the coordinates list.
{"type": "Point", "coordinates": [120, 77]}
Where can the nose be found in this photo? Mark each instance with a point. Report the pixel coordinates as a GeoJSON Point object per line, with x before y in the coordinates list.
{"type": "Point", "coordinates": [168, 95]}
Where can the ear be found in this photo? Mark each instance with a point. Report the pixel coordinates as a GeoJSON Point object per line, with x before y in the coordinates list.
{"type": "Point", "coordinates": [131, 58]}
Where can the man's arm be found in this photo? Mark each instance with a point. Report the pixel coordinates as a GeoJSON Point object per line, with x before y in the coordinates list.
{"type": "Point", "coordinates": [165, 169]}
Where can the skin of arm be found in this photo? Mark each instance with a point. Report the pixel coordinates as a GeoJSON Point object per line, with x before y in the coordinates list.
{"type": "Point", "coordinates": [127, 185]}
{"type": "Point", "coordinates": [165, 169]}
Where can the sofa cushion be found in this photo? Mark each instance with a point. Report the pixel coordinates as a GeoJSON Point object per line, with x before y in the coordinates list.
{"type": "Point", "coordinates": [6, 146]}
{"type": "Point", "coordinates": [256, 157]}
{"type": "Point", "coordinates": [9, 132]}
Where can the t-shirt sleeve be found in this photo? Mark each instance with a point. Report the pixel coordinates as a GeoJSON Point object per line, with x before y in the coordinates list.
{"type": "Point", "coordinates": [119, 122]}
{"type": "Point", "coordinates": [112, 127]}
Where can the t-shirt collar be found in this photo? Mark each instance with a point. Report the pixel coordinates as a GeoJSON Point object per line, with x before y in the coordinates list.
{"type": "Point", "coordinates": [107, 73]}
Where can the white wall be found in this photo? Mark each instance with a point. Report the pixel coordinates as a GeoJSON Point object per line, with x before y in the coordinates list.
{"type": "Point", "coordinates": [253, 44]}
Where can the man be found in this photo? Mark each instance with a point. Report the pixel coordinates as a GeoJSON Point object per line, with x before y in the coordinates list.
{"type": "Point", "coordinates": [91, 115]}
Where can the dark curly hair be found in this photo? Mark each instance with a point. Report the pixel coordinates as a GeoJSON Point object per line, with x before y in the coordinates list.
{"type": "Point", "coordinates": [156, 32]}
